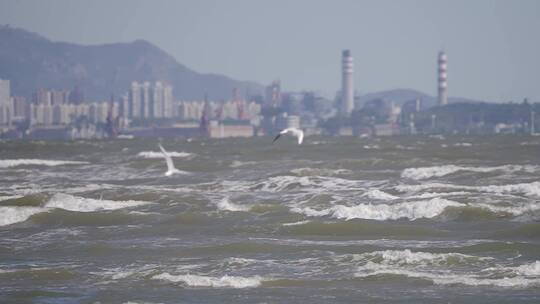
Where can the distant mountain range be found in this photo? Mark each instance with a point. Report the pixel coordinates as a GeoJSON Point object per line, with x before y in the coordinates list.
{"type": "Point", "coordinates": [31, 61]}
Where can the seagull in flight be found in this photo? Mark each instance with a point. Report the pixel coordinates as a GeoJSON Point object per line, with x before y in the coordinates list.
{"type": "Point", "coordinates": [171, 169]}
{"type": "Point", "coordinates": [299, 134]}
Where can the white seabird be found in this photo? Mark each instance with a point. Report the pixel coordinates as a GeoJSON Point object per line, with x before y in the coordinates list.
{"type": "Point", "coordinates": [299, 134]}
{"type": "Point", "coordinates": [171, 169]}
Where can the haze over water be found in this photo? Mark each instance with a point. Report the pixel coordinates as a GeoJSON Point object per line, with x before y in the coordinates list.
{"type": "Point", "coordinates": [397, 219]}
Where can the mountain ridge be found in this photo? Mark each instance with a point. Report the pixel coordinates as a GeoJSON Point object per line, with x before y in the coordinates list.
{"type": "Point", "coordinates": [31, 61]}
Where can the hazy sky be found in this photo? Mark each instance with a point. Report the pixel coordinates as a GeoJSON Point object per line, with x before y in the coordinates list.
{"type": "Point", "coordinates": [493, 46]}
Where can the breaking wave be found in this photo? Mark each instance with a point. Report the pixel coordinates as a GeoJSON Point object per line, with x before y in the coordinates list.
{"type": "Point", "coordinates": [379, 195]}
{"type": "Point", "coordinates": [153, 154]}
{"type": "Point", "coordinates": [226, 205]}
{"type": "Point", "coordinates": [288, 182]}
{"type": "Point", "coordinates": [206, 281]}
{"type": "Point", "coordinates": [438, 171]}
{"type": "Point", "coordinates": [80, 204]}
{"type": "Point", "coordinates": [13, 214]}
{"type": "Point", "coordinates": [319, 172]}
{"type": "Point", "coordinates": [409, 210]}
{"type": "Point", "coordinates": [8, 163]}
{"type": "Point", "coordinates": [408, 257]}
{"type": "Point", "coordinates": [433, 267]}
{"type": "Point", "coordinates": [527, 189]}
{"type": "Point", "coordinates": [16, 214]}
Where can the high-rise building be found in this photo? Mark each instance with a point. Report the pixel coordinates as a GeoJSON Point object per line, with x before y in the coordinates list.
{"type": "Point", "coordinates": [149, 101]}
{"type": "Point", "coordinates": [6, 106]}
{"type": "Point", "coordinates": [42, 96]}
{"type": "Point", "coordinates": [442, 85]}
{"type": "Point", "coordinates": [347, 88]}
{"type": "Point", "coordinates": [272, 98]}
{"type": "Point", "coordinates": [145, 100]}
{"type": "Point", "coordinates": [20, 106]}
{"type": "Point", "coordinates": [59, 97]}
{"type": "Point", "coordinates": [135, 104]}
{"type": "Point", "coordinates": [168, 101]}
{"type": "Point", "coordinates": [157, 100]}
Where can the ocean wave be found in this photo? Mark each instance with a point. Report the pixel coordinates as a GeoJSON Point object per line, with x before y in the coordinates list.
{"type": "Point", "coordinates": [408, 257]}
{"type": "Point", "coordinates": [9, 197]}
{"type": "Point", "coordinates": [409, 210]}
{"type": "Point", "coordinates": [434, 267]}
{"type": "Point", "coordinates": [80, 204]}
{"type": "Point", "coordinates": [296, 223]}
{"type": "Point", "coordinates": [319, 172]}
{"type": "Point", "coordinates": [289, 182]}
{"type": "Point", "coordinates": [8, 163]}
{"type": "Point", "coordinates": [206, 281]}
{"type": "Point", "coordinates": [14, 214]}
{"type": "Point", "coordinates": [444, 278]}
{"type": "Point", "coordinates": [439, 171]}
{"type": "Point", "coordinates": [515, 210]}
{"type": "Point", "coordinates": [438, 194]}
{"type": "Point", "coordinates": [527, 189]}
{"type": "Point", "coordinates": [226, 205]}
{"type": "Point", "coordinates": [153, 154]}
{"type": "Point", "coordinates": [238, 163]}
{"type": "Point", "coordinates": [532, 269]}
{"type": "Point", "coordinates": [379, 195]}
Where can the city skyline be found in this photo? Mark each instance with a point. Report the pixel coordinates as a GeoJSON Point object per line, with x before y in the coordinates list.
{"type": "Point", "coordinates": [493, 57]}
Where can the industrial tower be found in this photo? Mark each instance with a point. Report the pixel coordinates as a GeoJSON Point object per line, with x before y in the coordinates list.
{"type": "Point", "coordinates": [442, 79]}
{"type": "Point", "coordinates": [347, 89]}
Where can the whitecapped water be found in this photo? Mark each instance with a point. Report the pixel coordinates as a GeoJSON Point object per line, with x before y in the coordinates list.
{"type": "Point", "coordinates": [400, 219]}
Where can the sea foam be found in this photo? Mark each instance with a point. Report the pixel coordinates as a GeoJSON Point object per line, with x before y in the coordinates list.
{"type": "Point", "coordinates": [439, 171]}
{"type": "Point", "coordinates": [379, 195]}
{"type": "Point", "coordinates": [445, 278]}
{"type": "Point", "coordinates": [434, 267]}
{"type": "Point", "coordinates": [8, 163]}
{"type": "Point", "coordinates": [13, 214]}
{"type": "Point", "coordinates": [80, 204]}
{"type": "Point", "coordinates": [527, 189]}
{"type": "Point", "coordinates": [226, 205]}
{"type": "Point", "coordinates": [153, 154]}
{"type": "Point", "coordinates": [206, 281]}
{"type": "Point", "coordinates": [410, 210]}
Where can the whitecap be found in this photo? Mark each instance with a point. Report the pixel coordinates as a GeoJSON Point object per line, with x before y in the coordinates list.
{"type": "Point", "coordinates": [439, 171]}
{"type": "Point", "coordinates": [319, 172]}
{"type": "Point", "coordinates": [515, 210]}
{"type": "Point", "coordinates": [9, 197]}
{"type": "Point", "coordinates": [237, 163]}
{"type": "Point", "coordinates": [532, 269]}
{"type": "Point", "coordinates": [409, 210]}
{"type": "Point", "coordinates": [434, 267]}
{"type": "Point", "coordinates": [8, 163]}
{"type": "Point", "coordinates": [445, 278]}
{"type": "Point", "coordinates": [296, 223]}
{"type": "Point", "coordinates": [379, 195]}
{"type": "Point", "coordinates": [14, 214]}
{"type": "Point", "coordinates": [207, 281]}
{"type": "Point", "coordinates": [408, 257]}
{"type": "Point", "coordinates": [226, 205]}
{"type": "Point", "coordinates": [311, 183]}
{"type": "Point", "coordinates": [528, 189]}
{"type": "Point", "coordinates": [153, 154]}
{"type": "Point", "coordinates": [80, 204]}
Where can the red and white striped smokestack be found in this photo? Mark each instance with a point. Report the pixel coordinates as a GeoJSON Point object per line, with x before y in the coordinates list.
{"type": "Point", "coordinates": [442, 79]}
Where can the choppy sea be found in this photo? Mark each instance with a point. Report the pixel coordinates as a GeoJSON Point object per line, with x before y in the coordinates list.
{"type": "Point", "coordinates": [415, 219]}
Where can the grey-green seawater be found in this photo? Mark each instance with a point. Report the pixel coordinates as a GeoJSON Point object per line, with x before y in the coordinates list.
{"type": "Point", "coordinates": [335, 220]}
